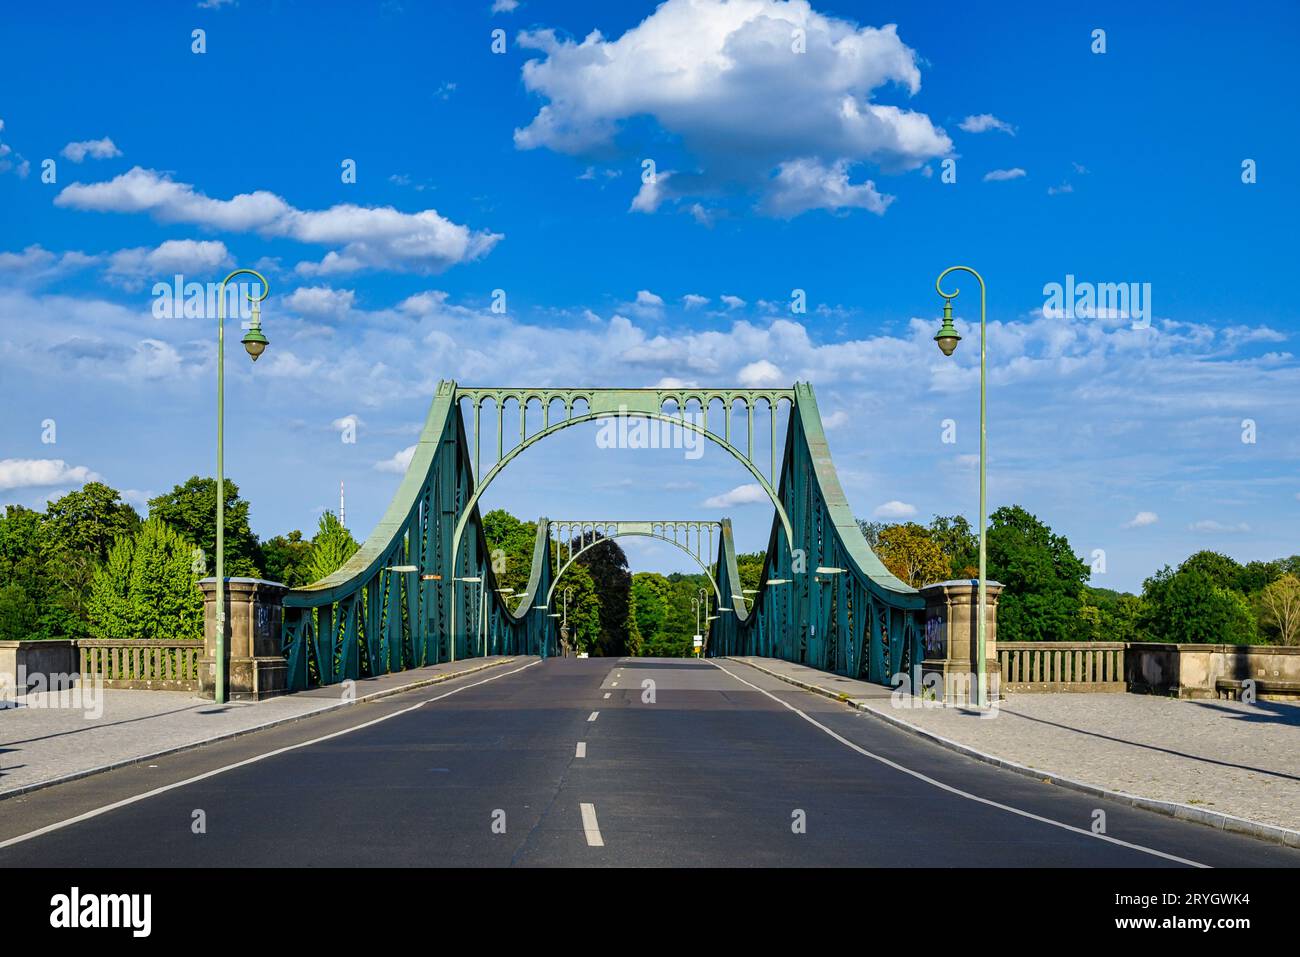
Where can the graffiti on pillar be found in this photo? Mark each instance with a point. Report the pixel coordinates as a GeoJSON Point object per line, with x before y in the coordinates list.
{"type": "Point", "coordinates": [934, 636]}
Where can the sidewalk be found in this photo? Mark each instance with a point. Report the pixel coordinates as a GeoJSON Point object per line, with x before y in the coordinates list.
{"type": "Point", "coordinates": [41, 745]}
{"type": "Point", "coordinates": [1198, 760]}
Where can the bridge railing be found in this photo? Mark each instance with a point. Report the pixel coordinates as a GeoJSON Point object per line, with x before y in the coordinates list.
{"type": "Point", "coordinates": [1049, 666]}
{"type": "Point", "coordinates": [141, 664]}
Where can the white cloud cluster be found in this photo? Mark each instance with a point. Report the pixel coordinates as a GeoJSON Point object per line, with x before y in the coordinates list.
{"type": "Point", "coordinates": [767, 95]}
{"type": "Point", "coordinates": [983, 122]}
{"type": "Point", "coordinates": [10, 160]}
{"type": "Point", "coordinates": [368, 237]}
{"type": "Point", "coordinates": [750, 493]}
{"type": "Point", "coordinates": [131, 268]}
{"type": "Point", "coordinates": [321, 302]}
{"type": "Point", "coordinates": [95, 149]}
{"type": "Point", "coordinates": [42, 473]}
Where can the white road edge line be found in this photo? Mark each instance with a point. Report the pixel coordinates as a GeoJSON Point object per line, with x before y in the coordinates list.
{"type": "Point", "coordinates": [593, 716]}
{"type": "Point", "coordinates": [957, 791]}
{"type": "Point", "coordinates": [590, 827]}
{"type": "Point", "coordinates": [253, 760]}
{"type": "Point", "coordinates": [582, 750]}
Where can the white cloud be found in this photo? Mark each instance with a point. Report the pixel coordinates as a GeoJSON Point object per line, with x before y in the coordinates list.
{"type": "Point", "coordinates": [36, 264]}
{"type": "Point", "coordinates": [693, 301]}
{"type": "Point", "coordinates": [645, 297]}
{"type": "Point", "coordinates": [983, 122]}
{"type": "Point", "coordinates": [837, 419]}
{"type": "Point", "coordinates": [761, 374]}
{"type": "Point", "coordinates": [804, 184]}
{"type": "Point", "coordinates": [504, 6]}
{"type": "Point", "coordinates": [1002, 175]}
{"type": "Point", "coordinates": [41, 473]}
{"type": "Point", "coordinates": [732, 302]}
{"type": "Point", "coordinates": [651, 194]}
{"type": "Point", "coordinates": [1212, 527]}
{"type": "Point", "coordinates": [1142, 519]}
{"type": "Point", "coordinates": [95, 149]}
{"type": "Point", "coordinates": [321, 301]}
{"type": "Point", "coordinates": [399, 461]}
{"type": "Point", "coordinates": [724, 78]}
{"type": "Point", "coordinates": [369, 237]}
{"type": "Point", "coordinates": [894, 509]}
{"type": "Point", "coordinates": [132, 267]}
{"type": "Point", "coordinates": [749, 494]}
{"type": "Point", "coordinates": [1056, 190]}
{"type": "Point", "coordinates": [11, 160]}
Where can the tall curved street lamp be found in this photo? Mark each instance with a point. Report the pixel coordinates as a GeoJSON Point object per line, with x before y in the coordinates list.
{"type": "Point", "coordinates": [947, 338]}
{"type": "Point", "coordinates": [255, 343]}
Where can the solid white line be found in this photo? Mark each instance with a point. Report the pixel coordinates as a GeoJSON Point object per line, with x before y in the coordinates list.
{"type": "Point", "coordinates": [606, 694]}
{"type": "Point", "coordinates": [253, 760]}
{"type": "Point", "coordinates": [593, 716]}
{"type": "Point", "coordinates": [957, 791]}
{"type": "Point", "coordinates": [582, 750]}
{"type": "Point", "coordinates": [590, 827]}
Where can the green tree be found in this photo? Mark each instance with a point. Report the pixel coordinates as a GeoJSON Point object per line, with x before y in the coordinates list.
{"type": "Point", "coordinates": [331, 546]}
{"type": "Point", "coordinates": [1043, 578]}
{"type": "Point", "coordinates": [191, 509]}
{"type": "Point", "coordinates": [285, 559]}
{"type": "Point", "coordinates": [147, 588]}
{"type": "Point", "coordinates": [510, 543]}
{"type": "Point", "coordinates": [19, 619]}
{"type": "Point", "coordinates": [606, 563]}
{"type": "Point", "coordinates": [1190, 606]}
{"type": "Point", "coordinates": [958, 542]}
{"type": "Point", "coordinates": [80, 527]}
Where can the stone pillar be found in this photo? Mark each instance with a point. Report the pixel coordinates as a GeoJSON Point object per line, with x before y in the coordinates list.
{"type": "Point", "coordinates": [254, 615]}
{"type": "Point", "coordinates": [951, 639]}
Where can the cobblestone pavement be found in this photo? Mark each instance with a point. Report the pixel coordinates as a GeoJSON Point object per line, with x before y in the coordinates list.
{"type": "Point", "coordinates": [43, 739]}
{"type": "Point", "coordinates": [1224, 756]}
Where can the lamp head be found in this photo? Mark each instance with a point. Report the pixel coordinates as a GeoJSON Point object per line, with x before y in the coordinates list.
{"type": "Point", "coordinates": [947, 337]}
{"type": "Point", "coordinates": [255, 342]}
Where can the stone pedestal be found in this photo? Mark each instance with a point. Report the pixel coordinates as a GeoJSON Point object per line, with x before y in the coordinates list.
{"type": "Point", "coordinates": [254, 615]}
{"type": "Point", "coordinates": [951, 639]}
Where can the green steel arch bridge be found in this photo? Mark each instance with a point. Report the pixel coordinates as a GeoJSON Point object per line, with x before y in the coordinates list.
{"type": "Point", "coordinates": [422, 588]}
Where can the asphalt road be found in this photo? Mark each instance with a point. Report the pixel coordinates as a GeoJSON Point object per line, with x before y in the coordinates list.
{"type": "Point", "coordinates": [564, 762]}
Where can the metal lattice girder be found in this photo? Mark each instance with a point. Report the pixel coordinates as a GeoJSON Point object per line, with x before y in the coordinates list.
{"type": "Point", "coordinates": [405, 598]}
{"type": "Point", "coordinates": [689, 535]}
{"type": "Point", "coordinates": [854, 617]}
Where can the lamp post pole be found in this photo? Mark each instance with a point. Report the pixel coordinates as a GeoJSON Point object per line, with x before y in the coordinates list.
{"type": "Point", "coordinates": [255, 343]}
{"type": "Point", "coordinates": [947, 339]}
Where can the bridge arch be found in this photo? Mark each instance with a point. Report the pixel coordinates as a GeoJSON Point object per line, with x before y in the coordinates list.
{"type": "Point", "coordinates": [629, 533]}
{"type": "Point", "coordinates": [595, 416]}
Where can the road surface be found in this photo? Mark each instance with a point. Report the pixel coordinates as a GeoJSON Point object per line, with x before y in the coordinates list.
{"type": "Point", "coordinates": [569, 762]}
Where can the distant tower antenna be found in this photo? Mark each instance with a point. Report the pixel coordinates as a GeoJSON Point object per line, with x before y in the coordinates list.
{"type": "Point", "coordinates": [343, 509]}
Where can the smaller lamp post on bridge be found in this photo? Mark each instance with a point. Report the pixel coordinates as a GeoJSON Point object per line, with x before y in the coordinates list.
{"type": "Point", "coordinates": [255, 343]}
{"type": "Point", "coordinates": [947, 338]}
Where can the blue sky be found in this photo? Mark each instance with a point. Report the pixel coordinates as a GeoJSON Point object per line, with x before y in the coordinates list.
{"type": "Point", "coordinates": [522, 171]}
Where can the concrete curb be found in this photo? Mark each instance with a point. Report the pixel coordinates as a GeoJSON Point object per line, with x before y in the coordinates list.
{"type": "Point", "coordinates": [1184, 812]}
{"type": "Point", "coordinates": [229, 735]}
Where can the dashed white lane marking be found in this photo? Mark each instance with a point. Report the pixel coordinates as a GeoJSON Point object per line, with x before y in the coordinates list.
{"type": "Point", "coordinates": [606, 694]}
{"type": "Point", "coordinates": [593, 716]}
{"type": "Point", "coordinates": [957, 791]}
{"type": "Point", "coordinates": [590, 826]}
{"type": "Point", "coordinates": [582, 750]}
{"type": "Point", "coordinates": [614, 685]}
{"type": "Point", "coordinates": [253, 760]}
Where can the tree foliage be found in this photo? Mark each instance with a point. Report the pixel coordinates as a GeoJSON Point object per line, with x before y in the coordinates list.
{"type": "Point", "coordinates": [331, 546]}
{"type": "Point", "coordinates": [191, 509]}
{"type": "Point", "coordinates": [147, 587]}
